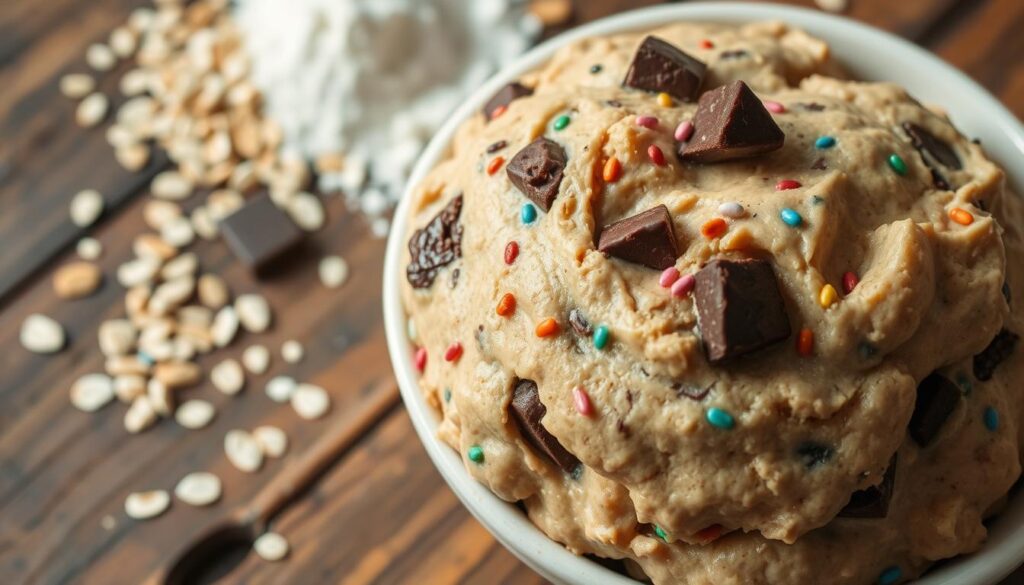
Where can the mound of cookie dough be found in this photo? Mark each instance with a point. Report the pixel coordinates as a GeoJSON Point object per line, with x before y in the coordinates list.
{"type": "Point", "coordinates": [705, 306]}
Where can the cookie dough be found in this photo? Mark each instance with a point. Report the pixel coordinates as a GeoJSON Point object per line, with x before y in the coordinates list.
{"type": "Point", "coordinates": [720, 356]}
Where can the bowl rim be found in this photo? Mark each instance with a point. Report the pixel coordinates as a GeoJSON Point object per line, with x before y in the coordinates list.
{"type": "Point", "coordinates": [917, 70]}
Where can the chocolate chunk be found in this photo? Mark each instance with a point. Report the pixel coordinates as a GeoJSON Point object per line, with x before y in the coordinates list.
{"type": "Point", "coordinates": [536, 170]}
{"type": "Point", "coordinates": [739, 308]}
{"type": "Point", "coordinates": [937, 396]}
{"type": "Point", "coordinates": [935, 148]}
{"type": "Point", "coordinates": [692, 392]}
{"type": "Point", "coordinates": [731, 123]}
{"type": "Point", "coordinates": [579, 323]}
{"type": "Point", "coordinates": [495, 147]}
{"type": "Point", "coordinates": [259, 232]}
{"type": "Point", "coordinates": [436, 245]}
{"type": "Point", "coordinates": [659, 66]}
{"type": "Point", "coordinates": [734, 54]}
{"type": "Point", "coordinates": [646, 238]}
{"type": "Point", "coordinates": [813, 454]}
{"type": "Point", "coordinates": [872, 502]}
{"type": "Point", "coordinates": [811, 106]}
{"type": "Point", "coordinates": [1006, 293]}
{"type": "Point", "coordinates": [820, 165]}
{"type": "Point", "coordinates": [504, 97]}
{"type": "Point", "coordinates": [997, 351]}
{"type": "Point", "coordinates": [528, 411]}
{"type": "Point", "coordinates": [614, 103]}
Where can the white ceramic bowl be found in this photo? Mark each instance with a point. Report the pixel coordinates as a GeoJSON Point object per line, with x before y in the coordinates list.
{"type": "Point", "coordinates": [869, 54]}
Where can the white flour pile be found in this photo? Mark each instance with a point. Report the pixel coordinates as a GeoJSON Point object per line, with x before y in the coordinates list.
{"type": "Point", "coordinates": [372, 80]}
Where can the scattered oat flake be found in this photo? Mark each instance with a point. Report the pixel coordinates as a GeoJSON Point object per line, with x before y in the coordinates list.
{"type": "Point", "coordinates": [199, 488]}
{"type": "Point", "coordinates": [86, 207]}
{"type": "Point", "coordinates": [228, 377]}
{"type": "Point", "coordinates": [76, 280]}
{"type": "Point", "coordinates": [146, 505]}
{"type": "Point", "coordinates": [256, 359]}
{"type": "Point", "coordinates": [833, 5]}
{"type": "Point", "coordinates": [292, 351]}
{"type": "Point", "coordinates": [92, 110]}
{"type": "Point", "coordinates": [140, 415]}
{"type": "Point", "coordinates": [333, 271]}
{"type": "Point", "coordinates": [195, 414]}
{"type": "Point", "coordinates": [77, 85]}
{"type": "Point", "coordinates": [272, 440]}
{"type": "Point", "coordinates": [41, 334]}
{"type": "Point", "coordinates": [89, 249]}
{"type": "Point", "coordinates": [243, 451]}
{"type": "Point", "coordinates": [281, 388]}
{"type": "Point", "coordinates": [271, 546]}
{"type": "Point", "coordinates": [253, 312]}
{"type": "Point", "coordinates": [100, 57]}
{"type": "Point", "coordinates": [310, 402]}
{"type": "Point", "coordinates": [92, 392]}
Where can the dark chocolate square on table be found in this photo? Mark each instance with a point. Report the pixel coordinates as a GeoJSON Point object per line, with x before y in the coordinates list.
{"type": "Point", "coordinates": [259, 233]}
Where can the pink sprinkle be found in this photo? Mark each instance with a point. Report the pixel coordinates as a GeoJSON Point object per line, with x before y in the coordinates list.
{"type": "Point", "coordinates": [454, 352]}
{"type": "Point", "coordinates": [420, 359]}
{"type": "Point", "coordinates": [582, 401]}
{"type": "Point", "coordinates": [647, 122]}
{"type": "Point", "coordinates": [654, 153]}
{"type": "Point", "coordinates": [787, 184]}
{"type": "Point", "coordinates": [774, 107]}
{"type": "Point", "coordinates": [684, 131]}
{"type": "Point", "coordinates": [683, 286]}
{"type": "Point", "coordinates": [668, 276]}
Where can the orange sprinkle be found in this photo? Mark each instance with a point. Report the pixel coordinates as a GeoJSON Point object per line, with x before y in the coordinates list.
{"type": "Point", "coordinates": [612, 170]}
{"type": "Point", "coordinates": [495, 164]}
{"type": "Point", "coordinates": [805, 342]}
{"type": "Point", "coordinates": [714, 228]}
{"type": "Point", "coordinates": [706, 44]}
{"type": "Point", "coordinates": [961, 216]}
{"type": "Point", "coordinates": [709, 534]}
{"type": "Point", "coordinates": [507, 305]}
{"type": "Point", "coordinates": [547, 328]}
{"type": "Point", "coordinates": [498, 111]}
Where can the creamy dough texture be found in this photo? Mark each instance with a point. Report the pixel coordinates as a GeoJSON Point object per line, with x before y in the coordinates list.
{"type": "Point", "coordinates": [660, 487]}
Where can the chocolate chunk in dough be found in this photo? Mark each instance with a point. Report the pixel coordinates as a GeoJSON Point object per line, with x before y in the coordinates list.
{"type": "Point", "coordinates": [579, 323]}
{"type": "Point", "coordinates": [937, 396]}
{"type": "Point", "coordinates": [504, 97]}
{"type": "Point", "coordinates": [536, 170]}
{"type": "Point", "coordinates": [659, 66]}
{"type": "Point", "coordinates": [813, 454]}
{"type": "Point", "coordinates": [936, 148]}
{"type": "Point", "coordinates": [646, 238]}
{"type": "Point", "coordinates": [872, 502]}
{"type": "Point", "coordinates": [260, 232]}
{"type": "Point", "coordinates": [739, 308]}
{"type": "Point", "coordinates": [527, 410]}
{"type": "Point", "coordinates": [731, 123]}
{"type": "Point", "coordinates": [997, 351]}
{"type": "Point", "coordinates": [436, 245]}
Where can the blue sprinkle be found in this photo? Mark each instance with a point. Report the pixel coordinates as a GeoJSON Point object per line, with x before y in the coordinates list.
{"type": "Point", "coordinates": [720, 419]}
{"type": "Point", "coordinates": [145, 358]}
{"type": "Point", "coordinates": [824, 142]}
{"type": "Point", "coordinates": [890, 576]}
{"type": "Point", "coordinates": [790, 217]}
{"type": "Point", "coordinates": [817, 199]}
{"type": "Point", "coordinates": [447, 394]}
{"type": "Point", "coordinates": [600, 337]}
{"type": "Point", "coordinates": [577, 472]}
{"type": "Point", "coordinates": [991, 418]}
{"type": "Point", "coordinates": [528, 214]}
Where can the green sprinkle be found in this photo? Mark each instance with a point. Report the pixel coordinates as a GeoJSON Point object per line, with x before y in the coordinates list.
{"type": "Point", "coordinates": [476, 454]}
{"type": "Point", "coordinates": [817, 199]}
{"type": "Point", "coordinates": [600, 337]}
{"type": "Point", "coordinates": [660, 533]}
{"type": "Point", "coordinates": [890, 576]}
{"type": "Point", "coordinates": [447, 394]}
{"type": "Point", "coordinates": [720, 419]}
{"type": "Point", "coordinates": [897, 164]}
{"type": "Point", "coordinates": [991, 418]}
{"type": "Point", "coordinates": [561, 122]}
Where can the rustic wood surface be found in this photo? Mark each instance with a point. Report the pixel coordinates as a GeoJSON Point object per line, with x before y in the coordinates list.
{"type": "Point", "coordinates": [381, 513]}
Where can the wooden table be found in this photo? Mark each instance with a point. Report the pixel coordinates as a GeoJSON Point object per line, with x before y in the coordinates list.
{"type": "Point", "coordinates": [381, 513]}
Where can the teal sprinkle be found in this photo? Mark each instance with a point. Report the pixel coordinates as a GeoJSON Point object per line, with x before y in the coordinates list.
{"type": "Point", "coordinates": [866, 350]}
{"type": "Point", "coordinates": [145, 358]}
{"type": "Point", "coordinates": [476, 454]}
{"type": "Point", "coordinates": [528, 213]}
{"type": "Point", "coordinates": [790, 217]}
{"type": "Point", "coordinates": [600, 337]}
{"type": "Point", "coordinates": [824, 142]}
{"type": "Point", "coordinates": [991, 418]}
{"type": "Point", "coordinates": [897, 164]}
{"type": "Point", "coordinates": [817, 199]}
{"type": "Point", "coordinates": [577, 472]}
{"type": "Point", "coordinates": [447, 394]}
{"type": "Point", "coordinates": [660, 533]}
{"type": "Point", "coordinates": [561, 122]}
{"type": "Point", "coordinates": [965, 383]}
{"type": "Point", "coordinates": [890, 576]}
{"type": "Point", "coordinates": [720, 419]}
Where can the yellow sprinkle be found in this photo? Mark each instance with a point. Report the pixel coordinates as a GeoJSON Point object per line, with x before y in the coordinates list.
{"type": "Point", "coordinates": [828, 296]}
{"type": "Point", "coordinates": [664, 100]}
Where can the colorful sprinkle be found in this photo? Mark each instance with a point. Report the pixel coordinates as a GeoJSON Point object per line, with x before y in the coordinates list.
{"type": "Point", "coordinates": [866, 350]}
{"type": "Point", "coordinates": [454, 352]}
{"type": "Point", "coordinates": [824, 142]}
{"type": "Point", "coordinates": [145, 358]}
{"type": "Point", "coordinates": [774, 107]}
{"type": "Point", "coordinates": [890, 576]}
{"type": "Point", "coordinates": [498, 111]}
{"type": "Point", "coordinates": [561, 122]}
{"type": "Point", "coordinates": [961, 216]}
{"type": "Point", "coordinates": [612, 170]}
{"type": "Point", "coordinates": [965, 383]}
{"type": "Point", "coordinates": [476, 454]}
{"type": "Point", "coordinates": [706, 44]}
{"type": "Point", "coordinates": [805, 342]}
{"type": "Point", "coordinates": [419, 359]}
{"type": "Point", "coordinates": [684, 131]}
{"type": "Point", "coordinates": [581, 400]}
{"type": "Point", "coordinates": [660, 533]}
{"type": "Point", "coordinates": [649, 122]}
{"type": "Point", "coordinates": [506, 305]}
{"type": "Point", "coordinates": [790, 217]}
{"type": "Point", "coordinates": [683, 286]}
{"type": "Point", "coordinates": [665, 100]}
{"type": "Point", "coordinates": [447, 394]}
{"type": "Point", "coordinates": [528, 213]}
{"type": "Point", "coordinates": [817, 199]}
{"type": "Point", "coordinates": [547, 328]}
{"type": "Point", "coordinates": [656, 155]}
{"type": "Point", "coordinates": [596, 68]}
{"type": "Point", "coordinates": [720, 419]}
{"type": "Point", "coordinates": [850, 282]}
{"type": "Point", "coordinates": [601, 336]}
{"type": "Point", "coordinates": [713, 228]}
{"type": "Point", "coordinates": [827, 296]}
{"type": "Point", "coordinates": [897, 164]}
{"type": "Point", "coordinates": [787, 184]}
{"type": "Point", "coordinates": [668, 276]}
{"type": "Point", "coordinates": [731, 209]}
{"type": "Point", "coordinates": [511, 252]}
{"type": "Point", "coordinates": [495, 164]}
{"type": "Point", "coordinates": [991, 418]}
